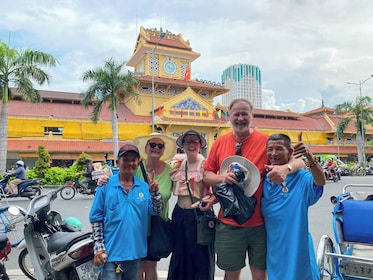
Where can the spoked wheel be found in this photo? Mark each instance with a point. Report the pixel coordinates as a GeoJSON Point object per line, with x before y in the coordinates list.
{"type": "Point", "coordinates": [25, 264]}
{"type": "Point", "coordinates": [327, 264]}
{"type": "Point", "coordinates": [67, 192]}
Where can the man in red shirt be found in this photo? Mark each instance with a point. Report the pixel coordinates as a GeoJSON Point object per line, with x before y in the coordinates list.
{"type": "Point", "coordinates": [232, 240]}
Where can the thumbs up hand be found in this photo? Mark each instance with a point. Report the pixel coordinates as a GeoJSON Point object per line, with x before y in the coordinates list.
{"type": "Point", "coordinates": [300, 149]}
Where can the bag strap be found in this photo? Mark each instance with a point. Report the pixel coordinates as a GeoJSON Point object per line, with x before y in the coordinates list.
{"type": "Point", "coordinates": [189, 191]}
{"type": "Point", "coordinates": [144, 172]}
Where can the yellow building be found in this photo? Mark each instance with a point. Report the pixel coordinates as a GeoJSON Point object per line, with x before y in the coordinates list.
{"type": "Point", "coordinates": [171, 103]}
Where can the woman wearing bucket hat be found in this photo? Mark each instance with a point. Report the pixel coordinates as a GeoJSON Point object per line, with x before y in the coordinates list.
{"type": "Point", "coordinates": [189, 261]}
{"type": "Point", "coordinates": [156, 150]}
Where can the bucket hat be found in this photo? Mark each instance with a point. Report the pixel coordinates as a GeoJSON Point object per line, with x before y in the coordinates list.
{"type": "Point", "coordinates": [180, 139]}
{"type": "Point", "coordinates": [252, 176]}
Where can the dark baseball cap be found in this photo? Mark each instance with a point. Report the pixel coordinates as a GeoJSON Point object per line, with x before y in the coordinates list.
{"type": "Point", "coordinates": [128, 148]}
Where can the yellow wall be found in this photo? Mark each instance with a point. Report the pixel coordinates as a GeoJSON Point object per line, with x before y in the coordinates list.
{"type": "Point", "coordinates": [309, 137]}
{"type": "Point", "coordinates": [74, 129]}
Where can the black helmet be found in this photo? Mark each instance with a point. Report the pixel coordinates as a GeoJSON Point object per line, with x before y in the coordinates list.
{"type": "Point", "coordinates": [87, 160]}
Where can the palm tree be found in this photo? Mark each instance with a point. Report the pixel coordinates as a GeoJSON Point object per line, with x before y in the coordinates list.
{"type": "Point", "coordinates": [361, 113]}
{"type": "Point", "coordinates": [17, 70]}
{"type": "Point", "coordinates": [109, 85]}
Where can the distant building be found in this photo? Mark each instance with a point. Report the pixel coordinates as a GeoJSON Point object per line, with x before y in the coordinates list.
{"type": "Point", "coordinates": [163, 68]}
{"type": "Point", "coordinates": [243, 81]}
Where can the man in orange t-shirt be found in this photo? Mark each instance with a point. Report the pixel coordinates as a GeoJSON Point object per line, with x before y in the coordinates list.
{"type": "Point", "coordinates": [232, 240]}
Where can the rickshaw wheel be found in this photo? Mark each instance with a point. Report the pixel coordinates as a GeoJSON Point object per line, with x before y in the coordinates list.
{"type": "Point", "coordinates": [326, 264]}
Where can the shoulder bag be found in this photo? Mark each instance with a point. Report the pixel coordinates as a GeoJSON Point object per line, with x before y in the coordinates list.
{"type": "Point", "coordinates": [160, 241]}
{"type": "Point", "coordinates": [205, 223]}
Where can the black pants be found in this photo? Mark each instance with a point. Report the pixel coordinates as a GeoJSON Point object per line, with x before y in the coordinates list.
{"type": "Point", "coordinates": [189, 261]}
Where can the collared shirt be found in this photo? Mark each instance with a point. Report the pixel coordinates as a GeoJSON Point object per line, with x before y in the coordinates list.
{"type": "Point", "coordinates": [120, 220]}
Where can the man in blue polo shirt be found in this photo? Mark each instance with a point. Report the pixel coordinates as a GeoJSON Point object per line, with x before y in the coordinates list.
{"type": "Point", "coordinates": [285, 211]}
{"type": "Point", "coordinates": [119, 218]}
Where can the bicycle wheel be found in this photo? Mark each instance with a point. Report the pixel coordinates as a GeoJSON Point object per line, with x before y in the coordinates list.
{"type": "Point", "coordinates": [12, 225]}
{"type": "Point", "coordinates": [67, 192]}
{"type": "Point", "coordinates": [25, 264]}
{"type": "Point", "coordinates": [327, 264]}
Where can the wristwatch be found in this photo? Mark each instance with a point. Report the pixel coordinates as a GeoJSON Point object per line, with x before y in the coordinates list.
{"type": "Point", "coordinates": [290, 168]}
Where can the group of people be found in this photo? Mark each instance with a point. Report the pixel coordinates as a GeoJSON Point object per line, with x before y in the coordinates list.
{"type": "Point", "coordinates": [277, 230]}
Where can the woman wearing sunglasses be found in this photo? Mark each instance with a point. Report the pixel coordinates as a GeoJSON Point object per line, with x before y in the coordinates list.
{"type": "Point", "coordinates": [156, 151]}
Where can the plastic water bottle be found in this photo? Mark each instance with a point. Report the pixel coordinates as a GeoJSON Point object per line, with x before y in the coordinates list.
{"type": "Point", "coordinates": [238, 173]}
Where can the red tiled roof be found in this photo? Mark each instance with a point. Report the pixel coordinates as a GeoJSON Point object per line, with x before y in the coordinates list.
{"type": "Point", "coordinates": [301, 123]}
{"type": "Point", "coordinates": [70, 111]}
{"type": "Point", "coordinates": [190, 83]}
{"type": "Point", "coordinates": [169, 42]}
{"type": "Point", "coordinates": [278, 114]}
{"type": "Point", "coordinates": [334, 149]}
{"type": "Point", "coordinates": [319, 111]}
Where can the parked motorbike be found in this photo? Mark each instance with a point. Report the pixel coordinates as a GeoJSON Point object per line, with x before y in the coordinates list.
{"type": "Point", "coordinates": [5, 249]}
{"type": "Point", "coordinates": [29, 188]}
{"type": "Point", "coordinates": [70, 224]}
{"type": "Point", "coordinates": [61, 256]}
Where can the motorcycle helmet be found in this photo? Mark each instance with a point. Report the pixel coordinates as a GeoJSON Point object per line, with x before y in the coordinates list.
{"type": "Point", "coordinates": [20, 162]}
{"type": "Point", "coordinates": [72, 224]}
{"type": "Point", "coordinates": [87, 160]}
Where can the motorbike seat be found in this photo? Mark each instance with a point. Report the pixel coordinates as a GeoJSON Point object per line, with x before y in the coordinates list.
{"type": "Point", "coordinates": [22, 186]}
{"type": "Point", "coordinates": [29, 183]}
{"type": "Point", "coordinates": [60, 241]}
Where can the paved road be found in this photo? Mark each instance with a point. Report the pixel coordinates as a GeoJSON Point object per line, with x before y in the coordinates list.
{"type": "Point", "coordinates": [320, 221]}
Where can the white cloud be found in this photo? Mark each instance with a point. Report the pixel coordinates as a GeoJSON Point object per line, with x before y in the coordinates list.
{"type": "Point", "coordinates": [306, 50]}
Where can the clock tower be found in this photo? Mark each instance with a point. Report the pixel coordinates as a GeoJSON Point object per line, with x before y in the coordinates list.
{"type": "Point", "coordinates": [162, 54]}
{"type": "Point", "coordinates": [172, 101]}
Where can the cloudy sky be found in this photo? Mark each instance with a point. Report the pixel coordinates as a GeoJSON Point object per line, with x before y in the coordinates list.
{"type": "Point", "coordinates": [307, 49]}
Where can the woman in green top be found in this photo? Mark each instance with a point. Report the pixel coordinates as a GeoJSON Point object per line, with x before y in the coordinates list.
{"type": "Point", "coordinates": [156, 151]}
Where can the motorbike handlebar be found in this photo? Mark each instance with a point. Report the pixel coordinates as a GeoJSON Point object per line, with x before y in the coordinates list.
{"type": "Point", "coordinates": [29, 220]}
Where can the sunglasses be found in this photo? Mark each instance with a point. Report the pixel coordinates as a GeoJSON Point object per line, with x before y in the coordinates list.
{"type": "Point", "coordinates": [238, 149]}
{"type": "Point", "coordinates": [153, 145]}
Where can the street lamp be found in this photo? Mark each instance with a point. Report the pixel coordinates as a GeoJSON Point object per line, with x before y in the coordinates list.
{"type": "Point", "coordinates": [161, 35]}
{"type": "Point", "coordinates": [336, 129]}
{"type": "Point", "coordinates": [360, 83]}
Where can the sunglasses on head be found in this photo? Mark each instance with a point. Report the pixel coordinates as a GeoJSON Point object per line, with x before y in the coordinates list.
{"type": "Point", "coordinates": [153, 145]}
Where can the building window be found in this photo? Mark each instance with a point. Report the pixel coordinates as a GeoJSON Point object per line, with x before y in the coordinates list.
{"type": "Point", "coordinates": [349, 140]}
{"type": "Point", "coordinates": [53, 130]}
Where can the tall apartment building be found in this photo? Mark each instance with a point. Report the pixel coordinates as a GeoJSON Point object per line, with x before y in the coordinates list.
{"type": "Point", "coordinates": [243, 81]}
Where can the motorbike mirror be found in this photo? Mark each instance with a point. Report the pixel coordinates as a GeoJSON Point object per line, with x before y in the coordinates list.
{"type": "Point", "coordinates": [13, 210]}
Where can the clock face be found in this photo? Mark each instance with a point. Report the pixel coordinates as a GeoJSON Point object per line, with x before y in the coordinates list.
{"type": "Point", "coordinates": [169, 66]}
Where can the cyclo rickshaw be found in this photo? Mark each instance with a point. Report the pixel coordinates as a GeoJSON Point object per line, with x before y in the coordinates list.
{"type": "Point", "coordinates": [351, 257]}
